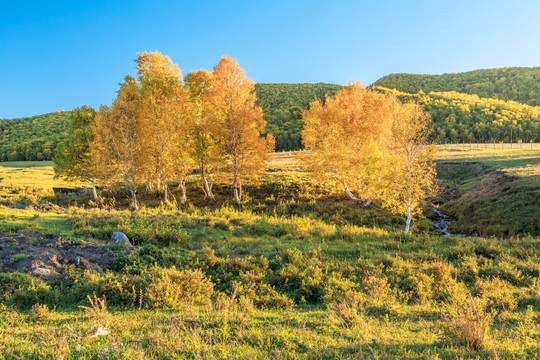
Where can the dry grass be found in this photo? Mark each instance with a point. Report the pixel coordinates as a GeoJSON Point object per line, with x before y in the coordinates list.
{"type": "Point", "coordinates": [97, 308]}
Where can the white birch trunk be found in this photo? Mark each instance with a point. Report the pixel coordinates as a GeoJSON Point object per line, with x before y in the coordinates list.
{"type": "Point", "coordinates": [94, 190]}
{"type": "Point", "coordinates": [236, 194]}
{"type": "Point", "coordinates": [363, 202]}
{"type": "Point", "coordinates": [166, 193]}
{"type": "Point", "coordinates": [134, 198]}
{"type": "Point", "coordinates": [207, 189]}
{"type": "Point", "coordinates": [182, 186]}
{"type": "Point", "coordinates": [408, 223]}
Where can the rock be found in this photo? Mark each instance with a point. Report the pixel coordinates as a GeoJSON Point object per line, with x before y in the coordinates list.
{"type": "Point", "coordinates": [90, 266]}
{"type": "Point", "coordinates": [41, 272]}
{"type": "Point", "coordinates": [120, 238]}
{"type": "Point", "coordinates": [98, 330]}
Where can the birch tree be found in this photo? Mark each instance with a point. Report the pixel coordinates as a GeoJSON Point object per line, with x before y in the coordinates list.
{"type": "Point", "coordinates": [239, 124]}
{"type": "Point", "coordinates": [119, 135]}
{"type": "Point", "coordinates": [73, 160]}
{"type": "Point", "coordinates": [348, 136]}
{"type": "Point", "coordinates": [161, 102]}
{"type": "Point", "coordinates": [410, 176]}
{"type": "Point", "coordinates": [204, 150]}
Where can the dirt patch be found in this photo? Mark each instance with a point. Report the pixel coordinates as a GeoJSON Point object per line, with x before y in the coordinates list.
{"type": "Point", "coordinates": [492, 184]}
{"type": "Point", "coordinates": [47, 258]}
{"type": "Point", "coordinates": [38, 207]}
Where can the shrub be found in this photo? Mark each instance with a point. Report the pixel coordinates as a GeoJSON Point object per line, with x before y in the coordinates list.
{"type": "Point", "coordinates": [467, 322]}
{"type": "Point", "coordinates": [498, 293]}
{"type": "Point", "coordinates": [97, 308]}
{"type": "Point", "coordinates": [170, 288]}
{"type": "Point", "coordinates": [422, 287]}
{"type": "Point", "coordinates": [24, 290]}
{"type": "Point", "coordinates": [39, 312]}
{"type": "Point", "coordinates": [349, 313]}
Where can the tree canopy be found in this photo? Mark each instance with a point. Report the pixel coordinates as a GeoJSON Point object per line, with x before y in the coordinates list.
{"type": "Point", "coordinates": [33, 138]}
{"type": "Point", "coordinates": [461, 117]}
{"type": "Point", "coordinates": [521, 84]}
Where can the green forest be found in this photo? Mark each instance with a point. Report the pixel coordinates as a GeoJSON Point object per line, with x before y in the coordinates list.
{"type": "Point", "coordinates": [482, 105]}
{"type": "Point", "coordinates": [521, 84]}
{"type": "Point", "coordinates": [283, 105]}
{"type": "Point", "coordinates": [37, 137]}
{"type": "Point", "coordinates": [462, 117]}
{"type": "Point", "coordinates": [33, 138]}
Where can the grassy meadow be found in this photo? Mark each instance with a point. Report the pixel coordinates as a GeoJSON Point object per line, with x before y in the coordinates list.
{"type": "Point", "coordinates": [299, 272]}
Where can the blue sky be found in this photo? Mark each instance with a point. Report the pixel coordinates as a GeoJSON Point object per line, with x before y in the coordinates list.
{"type": "Point", "coordinates": [56, 55]}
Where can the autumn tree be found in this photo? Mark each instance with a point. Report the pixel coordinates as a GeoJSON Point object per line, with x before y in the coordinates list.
{"type": "Point", "coordinates": [348, 135]}
{"type": "Point", "coordinates": [239, 124]}
{"type": "Point", "coordinates": [410, 175]}
{"type": "Point", "coordinates": [119, 137]}
{"type": "Point", "coordinates": [204, 149]}
{"type": "Point", "coordinates": [73, 160]}
{"type": "Point", "coordinates": [162, 109]}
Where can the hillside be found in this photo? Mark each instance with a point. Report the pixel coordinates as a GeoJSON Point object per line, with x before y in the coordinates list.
{"type": "Point", "coordinates": [457, 117]}
{"type": "Point", "coordinates": [462, 117]}
{"type": "Point", "coordinates": [33, 138]}
{"type": "Point", "coordinates": [521, 84]}
{"type": "Point", "coordinates": [283, 105]}
{"type": "Point", "coordinates": [36, 137]}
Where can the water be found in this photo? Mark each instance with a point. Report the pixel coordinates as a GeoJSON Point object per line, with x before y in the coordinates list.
{"type": "Point", "coordinates": [442, 222]}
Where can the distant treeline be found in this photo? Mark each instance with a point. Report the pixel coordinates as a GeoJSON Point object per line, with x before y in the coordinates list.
{"type": "Point", "coordinates": [521, 84]}
{"type": "Point", "coordinates": [461, 117]}
{"type": "Point", "coordinates": [37, 137]}
{"type": "Point", "coordinates": [283, 105]}
{"type": "Point", "coordinates": [33, 138]}
{"type": "Point", "coordinates": [456, 115]}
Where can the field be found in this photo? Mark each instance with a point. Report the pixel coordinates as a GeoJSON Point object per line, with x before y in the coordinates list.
{"type": "Point", "coordinates": [299, 272]}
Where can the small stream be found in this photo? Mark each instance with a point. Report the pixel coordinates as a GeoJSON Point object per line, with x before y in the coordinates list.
{"type": "Point", "coordinates": [442, 222]}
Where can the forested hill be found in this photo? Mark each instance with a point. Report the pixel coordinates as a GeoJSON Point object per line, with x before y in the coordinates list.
{"type": "Point", "coordinates": [36, 137]}
{"type": "Point", "coordinates": [33, 138]}
{"type": "Point", "coordinates": [283, 105]}
{"type": "Point", "coordinates": [521, 84]}
{"type": "Point", "coordinates": [456, 117]}
{"type": "Point", "coordinates": [470, 118]}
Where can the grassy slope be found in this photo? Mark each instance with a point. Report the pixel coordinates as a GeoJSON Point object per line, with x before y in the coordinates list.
{"type": "Point", "coordinates": [500, 198]}
{"type": "Point", "coordinates": [403, 283]}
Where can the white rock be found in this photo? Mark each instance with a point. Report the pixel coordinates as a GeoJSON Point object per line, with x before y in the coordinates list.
{"type": "Point", "coordinates": [41, 272]}
{"type": "Point", "coordinates": [98, 330]}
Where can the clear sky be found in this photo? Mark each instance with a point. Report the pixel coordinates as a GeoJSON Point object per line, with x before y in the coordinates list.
{"type": "Point", "coordinates": [56, 55]}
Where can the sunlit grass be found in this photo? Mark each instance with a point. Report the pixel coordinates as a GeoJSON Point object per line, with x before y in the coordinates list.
{"type": "Point", "coordinates": [298, 272]}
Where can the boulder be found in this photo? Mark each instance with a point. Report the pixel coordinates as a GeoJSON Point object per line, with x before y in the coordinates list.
{"type": "Point", "coordinates": [41, 272]}
{"type": "Point", "coordinates": [120, 238]}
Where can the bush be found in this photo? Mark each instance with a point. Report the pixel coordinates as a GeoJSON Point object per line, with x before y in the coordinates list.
{"type": "Point", "coordinates": [467, 322]}
{"type": "Point", "coordinates": [499, 294]}
{"type": "Point", "coordinates": [23, 290]}
{"type": "Point", "coordinates": [171, 288]}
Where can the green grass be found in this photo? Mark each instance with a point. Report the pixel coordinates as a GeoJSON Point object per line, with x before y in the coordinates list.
{"type": "Point", "coordinates": [496, 192]}
{"type": "Point", "coordinates": [25, 164]}
{"type": "Point", "coordinates": [48, 223]}
{"type": "Point", "coordinates": [299, 272]}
